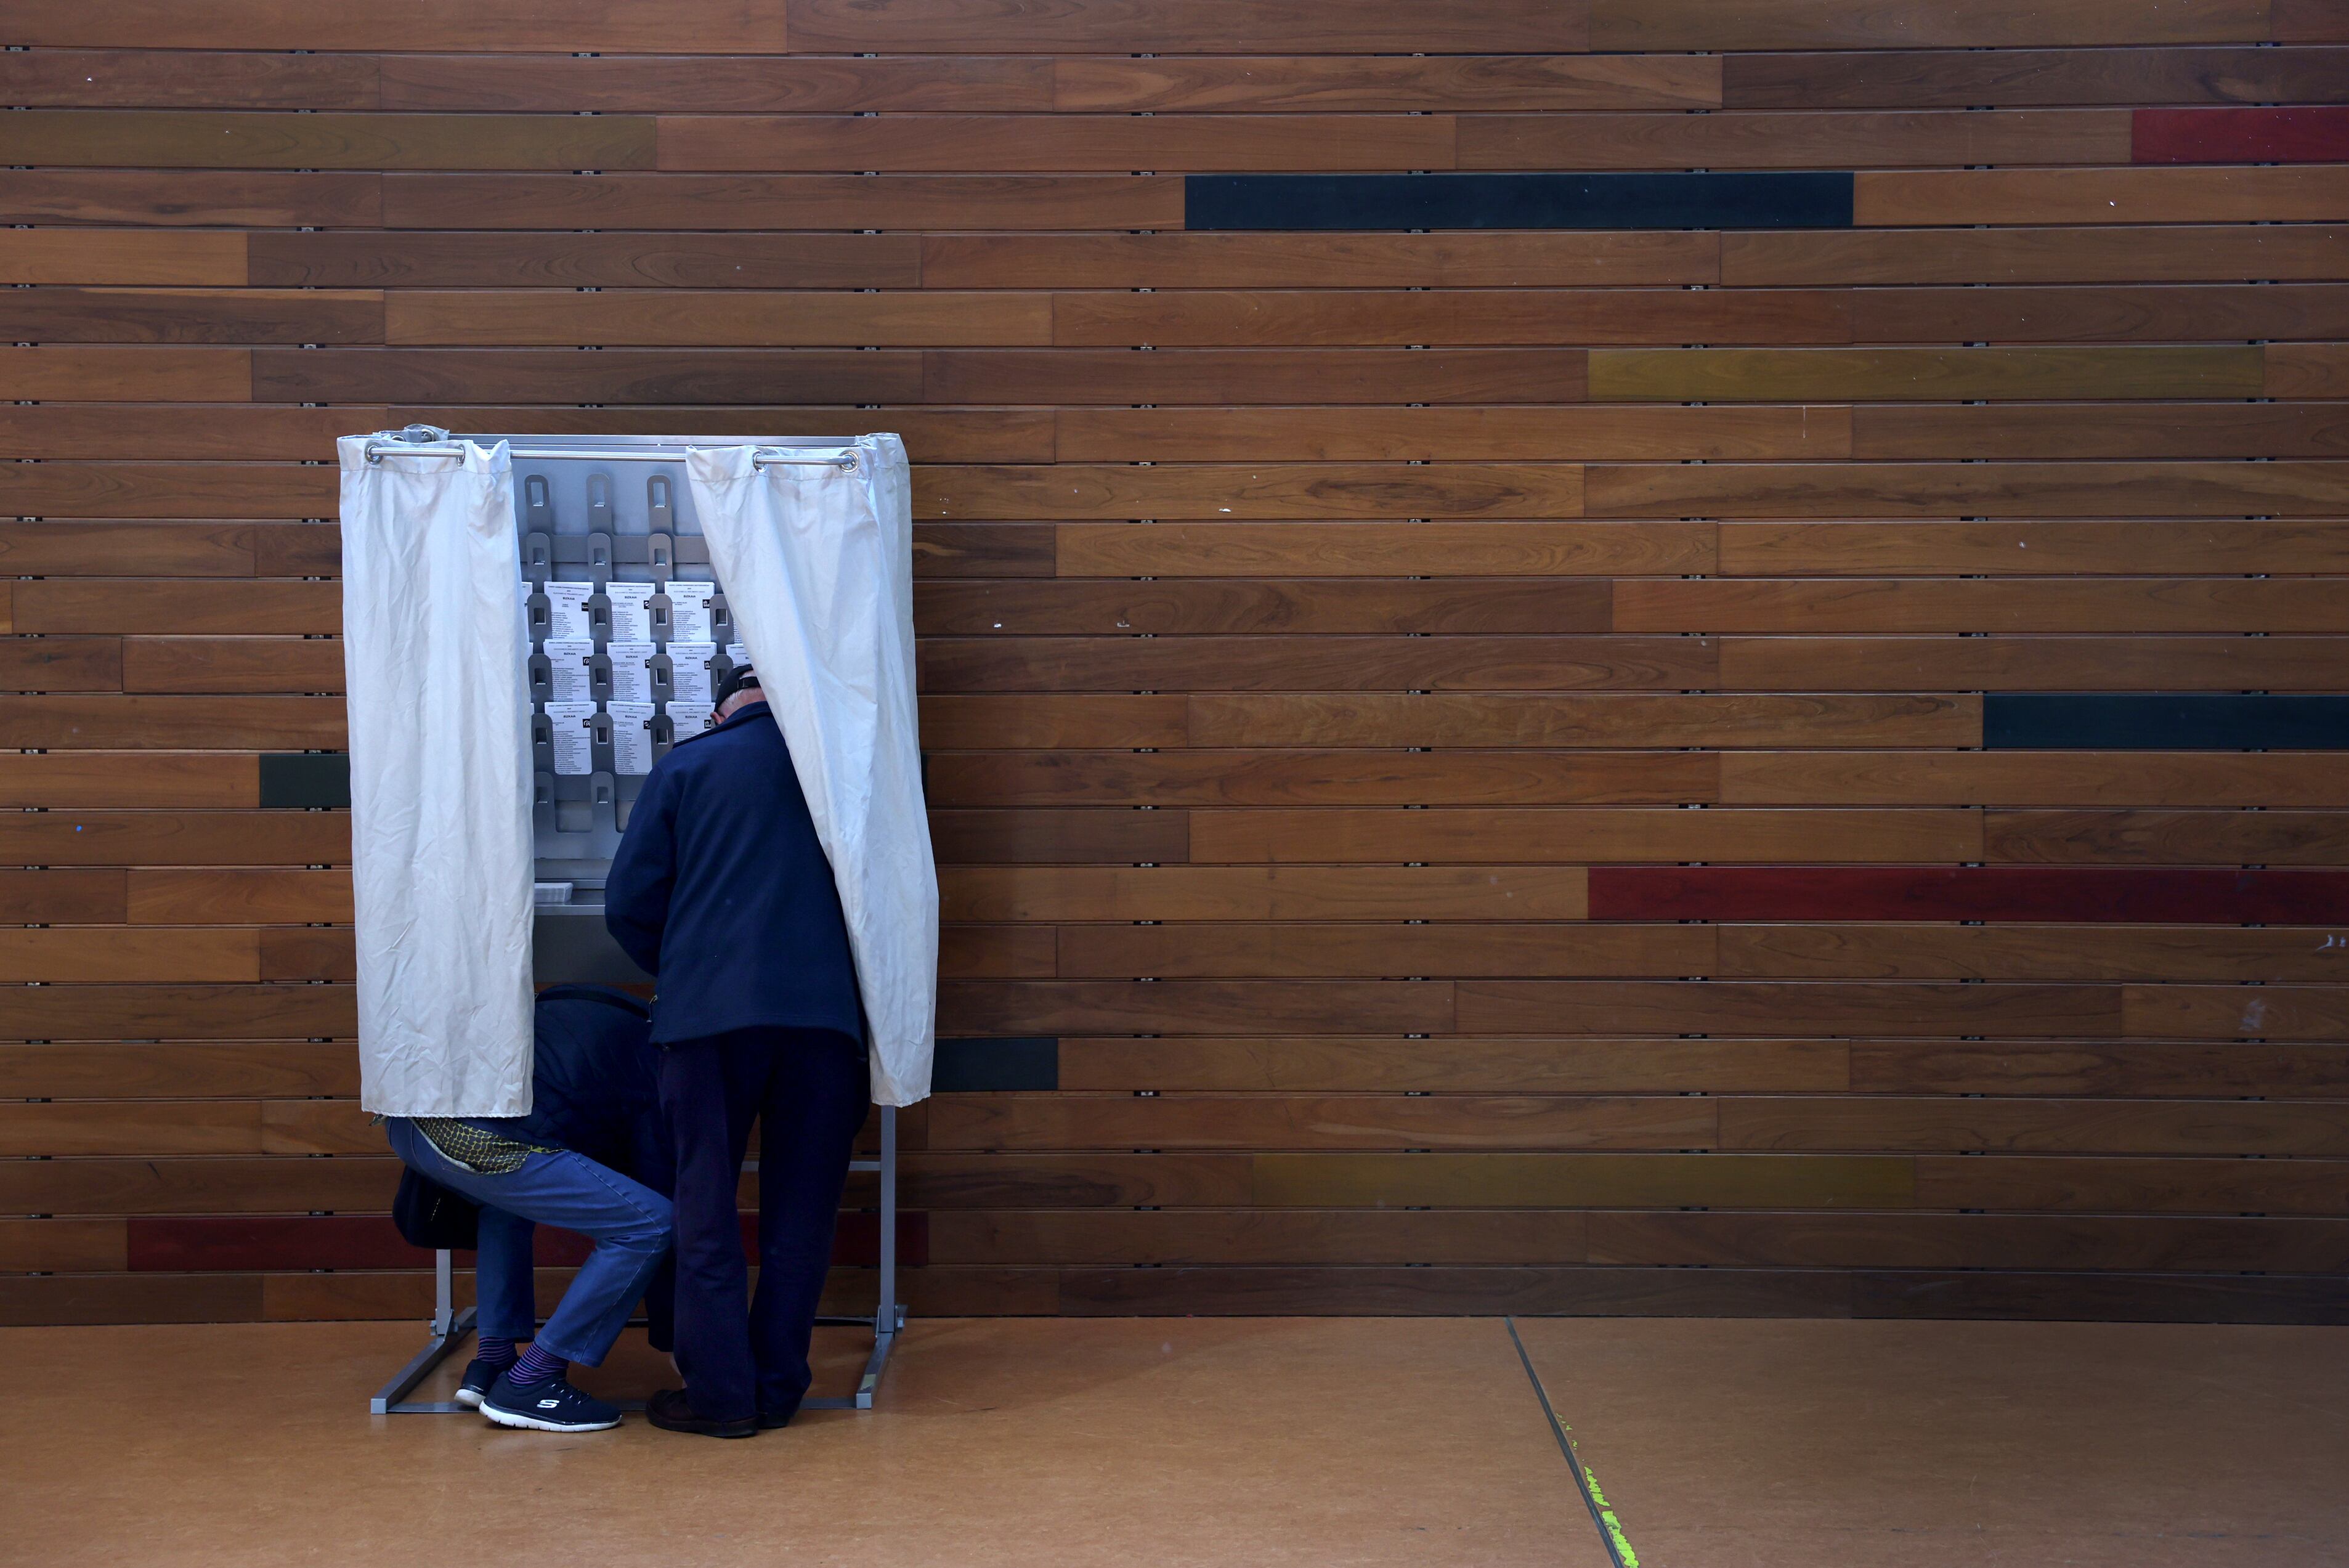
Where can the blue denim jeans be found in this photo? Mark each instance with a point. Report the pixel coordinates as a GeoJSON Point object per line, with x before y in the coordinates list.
{"type": "Point", "coordinates": [628, 1223]}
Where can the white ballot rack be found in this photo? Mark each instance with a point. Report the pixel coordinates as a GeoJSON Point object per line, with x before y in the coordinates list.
{"type": "Point", "coordinates": [629, 633]}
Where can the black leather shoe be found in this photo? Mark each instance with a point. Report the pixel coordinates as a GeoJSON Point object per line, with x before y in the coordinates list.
{"type": "Point", "coordinates": [671, 1412]}
{"type": "Point", "coordinates": [770, 1421]}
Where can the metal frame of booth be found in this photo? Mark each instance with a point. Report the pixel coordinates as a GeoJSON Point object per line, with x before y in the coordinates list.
{"type": "Point", "coordinates": [449, 1328]}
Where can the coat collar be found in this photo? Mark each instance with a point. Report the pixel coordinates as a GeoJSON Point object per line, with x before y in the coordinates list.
{"type": "Point", "coordinates": [743, 714]}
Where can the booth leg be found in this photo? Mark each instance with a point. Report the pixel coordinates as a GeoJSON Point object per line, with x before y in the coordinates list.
{"type": "Point", "coordinates": [889, 1316]}
{"type": "Point", "coordinates": [449, 1328]}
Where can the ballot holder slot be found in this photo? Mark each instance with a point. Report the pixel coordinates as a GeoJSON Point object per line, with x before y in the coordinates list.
{"type": "Point", "coordinates": [629, 635]}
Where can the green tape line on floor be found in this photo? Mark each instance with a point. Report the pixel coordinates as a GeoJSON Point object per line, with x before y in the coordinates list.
{"type": "Point", "coordinates": [1606, 1513]}
{"type": "Point", "coordinates": [1585, 1481]}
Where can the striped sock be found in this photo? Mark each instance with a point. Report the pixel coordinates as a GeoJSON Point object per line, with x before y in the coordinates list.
{"type": "Point", "coordinates": [496, 1351]}
{"type": "Point", "coordinates": [535, 1367]}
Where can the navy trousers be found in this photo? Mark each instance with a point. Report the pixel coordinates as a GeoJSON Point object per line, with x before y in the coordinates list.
{"type": "Point", "coordinates": [808, 1090]}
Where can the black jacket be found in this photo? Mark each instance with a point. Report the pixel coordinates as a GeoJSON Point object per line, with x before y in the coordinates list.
{"type": "Point", "coordinates": [721, 891]}
{"type": "Point", "coordinates": [595, 1083]}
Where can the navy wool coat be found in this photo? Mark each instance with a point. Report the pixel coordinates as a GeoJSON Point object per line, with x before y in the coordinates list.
{"type": "Point", "coordinates": [595, 1083]}
{"type": "Point", "coordinates": [721, 892]}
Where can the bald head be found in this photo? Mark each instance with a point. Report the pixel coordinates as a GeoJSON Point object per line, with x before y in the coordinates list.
{"type": "Point", "coordinates": [738, 690]}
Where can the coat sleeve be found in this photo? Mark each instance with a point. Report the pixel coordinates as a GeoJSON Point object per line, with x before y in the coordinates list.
{"type": "Point", "coordinates": [644, 873]}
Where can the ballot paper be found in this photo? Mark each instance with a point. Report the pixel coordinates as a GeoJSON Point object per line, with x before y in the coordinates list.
{"type": "Point", "coordinates": [688, 719]}
{"type": "Point", "coordinates": [632, 674]}
{"type": "Point", "coordinates": [632, 736]}
{"type": "Point", "coordinates": [632, 615]}
{"type": "Point", "coordinates": [567, 606]}
{"type": "Point", "coordinates": [568, 674]}
{"type": "Point", "coordinates": [690, 662]}
{"type": "Point", "coordinates": [689, 611]}
{"type": "Point", "coordinates": [737, 654]}
{"type": "Point", "coordinates": [574, 749]}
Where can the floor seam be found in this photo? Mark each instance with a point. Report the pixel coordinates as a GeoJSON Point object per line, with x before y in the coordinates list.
{"type": "Point", "coordinates": [1602, 1517]}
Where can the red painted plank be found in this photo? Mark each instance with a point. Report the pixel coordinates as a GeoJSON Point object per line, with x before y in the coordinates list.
{"type": "Point", "coordinates": [2241, 135]}
{"type": "Point", "coordinates": [271, 1242]}
{"type": "Point", "coordinates": [1965, 893]}
{"type": "Point", "coordinates": [371, 1241]}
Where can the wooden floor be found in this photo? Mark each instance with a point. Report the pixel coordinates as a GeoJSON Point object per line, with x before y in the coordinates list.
{"type": "Point", "coordinates": [1357, 1441]}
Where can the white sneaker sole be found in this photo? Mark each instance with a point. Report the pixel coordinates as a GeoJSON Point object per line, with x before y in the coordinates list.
{"type": "Point", "coordinates": [541, 1424]}
{"type": "Point", "coordinates": [470, 1398]}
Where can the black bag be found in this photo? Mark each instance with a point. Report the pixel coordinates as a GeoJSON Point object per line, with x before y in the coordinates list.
{"type": "Point", "coordinates": [430, 1216]}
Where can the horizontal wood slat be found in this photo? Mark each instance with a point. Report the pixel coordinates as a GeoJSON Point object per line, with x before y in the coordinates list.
{"type": "Point", "coordinates": [1555, 260]}
{"type": "Point", "coordinates": [1954, 79]}
{"type": "Point", "coordinates": [1190, 27]}
{"type": "Point", "coordinates": [1270, 893]}
{"type": "Point", "coordinates": [438, 24]}
{"type": "Point", "coordinates": [1211, 777]}
{"type": "Point", "coordinates": [1430, 82]}
{"type": "Point", "coordinates": [1975, 892]}
{"type": "Point", "coordinates": [1967, 23]}
{"type": "Point", "coordinates": [789, 201]}
{"type": "Point", "coordinates": [1324, 663]}
{"type": "Point", "coordinates": [1277, 608]}
{"type": "Point", "coordinates": [1612, 719]}
{"type": "Point", "coordinates": [1736, 139]}
{"type": "Point", "coordinates": [84, 258]}
{"type": "Point", "coordinates": [2072, 251]}
{"type": "Point", "coordinates": [1458, 434]}
{"type": "Point", "coordinates": [1118, 142]}
{"type": "Point", "coordinates": [425, 259]}
{"type": "Point", "coordinates": [1989, 661]}
{"type": "Point", "coordinates": [196, 199]}
{"type": "Point", "coordinates": [1586, 835]}
{"type": "Point", "coordinates": [2252, 195]}
{"type": "Point", "coordinates": [2014, 778]}
{"type": "Point", "coordinates": [314, 141]}
{"type": "Point", "coordinates": [1914, 605]}
{"type": "Point", "coordinates": [1307, 950]}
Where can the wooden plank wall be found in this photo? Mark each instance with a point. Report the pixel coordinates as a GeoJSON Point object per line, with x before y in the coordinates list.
{"type": "Point", "coordinates": [1753, 726]}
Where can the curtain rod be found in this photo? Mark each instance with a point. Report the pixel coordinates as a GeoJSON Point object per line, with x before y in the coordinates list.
{"type": "Point", "coordinates": [378, 451]}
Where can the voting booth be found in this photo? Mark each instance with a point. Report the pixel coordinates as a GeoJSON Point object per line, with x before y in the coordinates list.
{"type": "Point", "coordinates": [530, 624]}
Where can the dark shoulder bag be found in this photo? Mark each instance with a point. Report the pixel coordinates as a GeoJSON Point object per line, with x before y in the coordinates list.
{"type": "Point", "coordinates": [430, 1216]}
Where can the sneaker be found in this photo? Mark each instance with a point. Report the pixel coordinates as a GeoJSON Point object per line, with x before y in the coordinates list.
{"type": "Point", "coordinates": [478, 1375]}
{"type": "Point", "coordinates": [672, 1412]}
{"type": "Point", "coordinates": [552, 1406]}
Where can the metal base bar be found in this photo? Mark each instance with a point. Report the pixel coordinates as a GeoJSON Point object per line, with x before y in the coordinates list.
{"type": "Point", "coordinates": [391, 1399]}
{"type": "Point", "coordinates": [870, 1383]}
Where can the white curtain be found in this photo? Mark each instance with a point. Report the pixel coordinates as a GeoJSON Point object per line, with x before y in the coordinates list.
{"type": "Point", "coordinates": [435, 653]}
{"type": "Point", "coordinates": [817, 562]}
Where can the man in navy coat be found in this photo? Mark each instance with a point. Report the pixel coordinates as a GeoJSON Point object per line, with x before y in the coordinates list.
{"type": "Point", "coordinates": [722, 892]}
